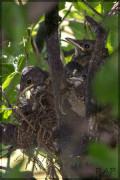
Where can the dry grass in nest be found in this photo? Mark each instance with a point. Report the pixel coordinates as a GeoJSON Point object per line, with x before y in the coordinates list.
{"type": "Point", "coordinates": [37, 120]}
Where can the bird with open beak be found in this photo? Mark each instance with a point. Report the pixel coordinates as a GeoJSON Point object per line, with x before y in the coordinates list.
{"type": "Point", "coordinates": [83, 50]}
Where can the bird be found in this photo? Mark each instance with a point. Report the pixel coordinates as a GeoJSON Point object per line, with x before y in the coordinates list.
{"type": "Point", "coordinates": [75, 73]}
{"type": "Point", "coordinates": [82, 56]}
{"type": "Point", "coordinates": [32, 77]}
{"type": "Point", "coordinates": [74, 69]}
{"type": "Point", "coordinates": [83, 50]}
{"type": "Point", "coordinates": [37, 111]}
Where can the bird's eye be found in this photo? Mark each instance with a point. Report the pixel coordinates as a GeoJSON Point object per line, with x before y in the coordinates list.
{"type": "Point", "coordinates": [86, 46]}
{"type": "Point", "coordinates": [29, 81]}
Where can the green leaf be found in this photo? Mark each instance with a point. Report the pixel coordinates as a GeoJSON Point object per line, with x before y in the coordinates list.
{"type": "Point", "coordinates": [104, 157]}
{"type": "Point", "coordinates": [77, 29]}
{"type": "Point", "coordinates": [105, 84]}
{"type": "Point", "coordinates": [8, 79]}
{"type": "Point", "coordinates": [82, 8]}
{"type": "Point", "coordinates": [21, 63]}
{"type": "Point", "coordinates": [106, 6]}
{"type": "Point", "coordinates": [113, 28]}
{"type": "Point", "coordinates": [2, 153]}
{"type": "Point", "coordinates": [33, 25]}
{"type": "Point", "coordinates": [109, 44]}
{"type": "Point", "coordinates": [6, 70]}
{"type": "Point", "coordinates": [95, 4]}
{"type": "Point", "coordinates": [9, 86]}
{"type": "Point", "coordinates": [7, 113]}
{"type": "Point", "coordinates": [14, 21]}
{"type": "Point", "coordinates": [73, 14]}
{"type": "Point", "coordinates": [15, 172]}
{"type": "Point", "coordinates": [2, 107]}
{"type": "Point", "coordinates": [40, 36]}
{"type": "Point", "coordinates": [61, 4]}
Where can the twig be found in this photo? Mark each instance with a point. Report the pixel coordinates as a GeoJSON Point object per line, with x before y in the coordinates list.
{"type": "Point", "coordinates": [4, 103]}
{"type": "Point", "coordinates": [85, 27]}
{"type": "Point", "coordinates": [3, 109]}
{"type": "Point", "coordinates": [9, 105]}
{"type": "Point", "coordinates": [25, 52]}
{"type": "Point", "coordinates": [4, 168]}
{"type": "Point", "coordinates": [115, 9]}
{"type": "Point", "coordinates": [92, 8]}
{"type": "Point", "coordinates": [66, 14]}
{"type": "Point", "coordinates": [74, 20]}
{"type": "Point", "coordinates": [4, 96]}
{"type": "Point", "coordinates": [5, 149]}
{"type": "Point", "coordinates": [26, 120]}
{"type": "Point", "coordinates": [38, 162]}
{"type": "Point", "coordinates": [7, 154]}
{"type": "Point", "coordinates": [35, 49]}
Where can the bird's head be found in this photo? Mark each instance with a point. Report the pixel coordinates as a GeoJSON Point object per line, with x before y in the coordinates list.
{"type": "Point", "coordinates": [74, 69]}
{"type": "Point", "coordinates": [32, 76]}
{"type": "Point", "coordinates": [82, 47]}
{"type": "Point", "coordinates": [75, 73]}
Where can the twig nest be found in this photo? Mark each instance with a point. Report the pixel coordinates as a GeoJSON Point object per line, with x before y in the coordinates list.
{"type": "Point", "coordinates": [37, 119]}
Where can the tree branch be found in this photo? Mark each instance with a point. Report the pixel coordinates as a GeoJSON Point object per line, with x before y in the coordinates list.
{"type": "Point", "coordinates": [53, 54]}
{"type": "Point", "coordinates": [92, 8]}
{"type": "Point", "coordinates": [69, 109]}
{"type": "Point", "coordinates": [115, 9]}
{"type": "Point", "coordinates": [97, 59]}
{"type": "Point", "coordinates": [74, 20]}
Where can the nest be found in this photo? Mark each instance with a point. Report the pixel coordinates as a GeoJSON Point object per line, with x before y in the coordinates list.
{"type": "Point", "coordinates": [37, 119]}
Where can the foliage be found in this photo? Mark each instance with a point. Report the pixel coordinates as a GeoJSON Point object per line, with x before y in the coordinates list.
{"type": "Point", "coordinates": [104, 157]}
{"type": "Point", "coordinates": [15, 27]}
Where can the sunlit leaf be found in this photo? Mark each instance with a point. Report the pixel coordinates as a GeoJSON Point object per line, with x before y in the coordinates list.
{"type": "Point", "coordinates": [83, 8]}
{"type": "Point", "coordinates": [73, 14]}
{"type": "Point", "coordinates": [7, 113]}
{"type": "Point", "coordinates": [10, 87]}
{"type": "Point", "coordinates": [2, 107]}
{"type": "Point", "coordinates": [33, 26]}
{"type": "Point", "coordinates": [8, 79]}
{"type": "Point", "coordinates": [109, 44]}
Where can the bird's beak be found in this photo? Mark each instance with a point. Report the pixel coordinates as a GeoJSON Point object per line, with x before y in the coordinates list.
{"type": "Point", "coordinates": [27, 88]}
{"type": "Point", "coordinates": [73, 42]}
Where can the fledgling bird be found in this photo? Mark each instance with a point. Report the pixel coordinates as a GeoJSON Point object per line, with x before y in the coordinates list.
{"type": "Point", "coordinates": [32, 77]}
{"type": "Point", "coordinates": [36, 108]}
{"type": "Point", "coordinates": [75, 73]}
{"type": "Point", "coordinates": [83, 50]}
{"type": "Point", "coordinates": [74, 69]}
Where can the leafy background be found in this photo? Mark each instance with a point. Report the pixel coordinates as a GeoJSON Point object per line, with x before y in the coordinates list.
{"type": "Point", "coordinates": [15, 26]}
